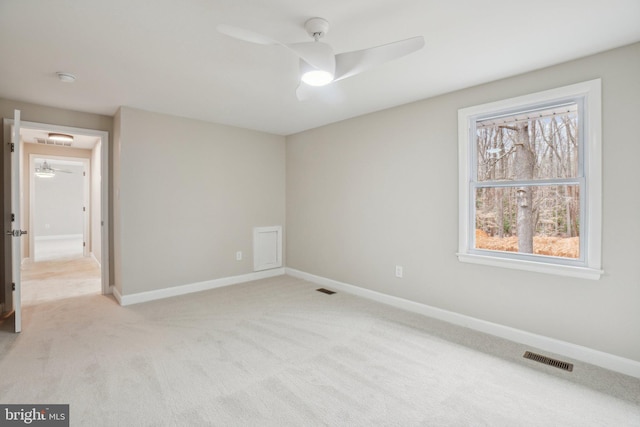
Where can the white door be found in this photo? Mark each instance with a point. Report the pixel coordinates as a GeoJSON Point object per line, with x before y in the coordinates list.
{"type": "Point", "coordinates": [16, 240]}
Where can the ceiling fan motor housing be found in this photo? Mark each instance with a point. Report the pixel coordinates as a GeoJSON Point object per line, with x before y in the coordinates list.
{"type": "Point", "coordinates": [317, 27]}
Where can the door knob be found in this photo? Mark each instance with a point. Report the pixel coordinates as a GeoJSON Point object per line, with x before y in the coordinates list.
{"type": "Point", "coordinates": [16, 233]}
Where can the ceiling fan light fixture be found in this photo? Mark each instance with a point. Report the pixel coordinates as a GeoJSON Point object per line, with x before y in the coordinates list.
{"type": "Point", "coordinates": [45, 171]}
{"type": "Point", "coordinates": [317, 78]}
{"type": "Point", "coordinates": [60, 137]}
{"type": "Point", "coordinates": [319, 65]}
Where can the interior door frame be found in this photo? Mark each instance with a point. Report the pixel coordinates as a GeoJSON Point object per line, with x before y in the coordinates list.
{"type": "Point", "coordinates": [104, 187]}
{"type": "Point", "coordinates": [86, 184]}
{"type": "Point", "coordinates": [12, 138]}
{"type": "Point", "coordinates": [7, 225]}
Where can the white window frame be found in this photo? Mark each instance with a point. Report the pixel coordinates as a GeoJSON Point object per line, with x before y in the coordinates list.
{"type": "Point", "coordinates": [589, 266]}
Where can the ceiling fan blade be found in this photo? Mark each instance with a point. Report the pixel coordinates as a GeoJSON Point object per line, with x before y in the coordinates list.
{"type": "Point", "coordinates": [61, 170]}
{"type": "Point", "coordinates": [351, 63]}
{"type": "Point", "coordinates": [317, 54]}
{"type": "Point", "coordinates": [245, 35]}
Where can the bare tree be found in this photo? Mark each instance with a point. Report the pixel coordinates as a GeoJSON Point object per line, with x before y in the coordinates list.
{"type": "Point", "coordinates": [524, 164]}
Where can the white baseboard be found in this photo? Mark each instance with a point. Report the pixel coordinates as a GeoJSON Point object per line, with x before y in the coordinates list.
{"type": "Point", "coordinates": [577, 352]}
{"type": "Point", "coordinates": [114, 291]}
{"type": "Point", "coordinates": [194, 287]}
{"type": "Point", "coordinates": [58, 237]}
{"type": "Point", "coordinates": [92, 255]}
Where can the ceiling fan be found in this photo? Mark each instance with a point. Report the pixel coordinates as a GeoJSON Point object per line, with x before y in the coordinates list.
{"type": "Point", "coordinates": [319, 65]}
{"type": "Point", "coordinates": [46, 171]}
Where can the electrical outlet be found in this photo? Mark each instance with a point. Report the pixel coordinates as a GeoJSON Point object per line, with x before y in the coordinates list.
{"type": "Point", "coordinates": [239, 256]}
{"type": "Point", "coordinates": [399, 271]}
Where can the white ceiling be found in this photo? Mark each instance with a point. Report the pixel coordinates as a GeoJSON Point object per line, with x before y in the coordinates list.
{"type": "Point", "coordinates": [166, 55]}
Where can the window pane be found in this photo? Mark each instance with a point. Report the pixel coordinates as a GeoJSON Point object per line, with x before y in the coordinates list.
{"type": "Point", "coordinates": [543, 220]}
{"type": "Point", "coordinates": [539, 144]}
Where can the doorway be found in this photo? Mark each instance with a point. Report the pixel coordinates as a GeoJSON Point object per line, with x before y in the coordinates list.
{"type": "Point", "coordinates": [64, 205]}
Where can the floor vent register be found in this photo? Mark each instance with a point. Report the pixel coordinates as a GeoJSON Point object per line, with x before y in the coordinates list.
{"type": "Point", "coordinates": [566, 366]}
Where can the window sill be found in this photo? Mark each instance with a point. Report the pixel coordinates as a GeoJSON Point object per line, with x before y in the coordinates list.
{"type": "Point", "coordinates": [538, 267]}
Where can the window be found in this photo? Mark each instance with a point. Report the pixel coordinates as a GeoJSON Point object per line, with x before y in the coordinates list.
{"type": "Point", "coordinates": [530, 182]}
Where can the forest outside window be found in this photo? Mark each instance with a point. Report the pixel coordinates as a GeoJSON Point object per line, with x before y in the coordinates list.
{"type": "Point", "coordinates": [530, 182]}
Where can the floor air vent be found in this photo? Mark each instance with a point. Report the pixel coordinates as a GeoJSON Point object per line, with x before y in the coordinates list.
{"type": "Point", "coordinates": [549, 361]}
{"type": "Point", "coordinates": [325, 291]}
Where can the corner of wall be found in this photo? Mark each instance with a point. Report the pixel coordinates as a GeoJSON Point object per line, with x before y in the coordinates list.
{"type": "Point", "coordinates": [116, 243]}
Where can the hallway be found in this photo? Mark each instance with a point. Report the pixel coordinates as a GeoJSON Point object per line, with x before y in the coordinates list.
{"type": "Point", "coordinates": [67, 274]}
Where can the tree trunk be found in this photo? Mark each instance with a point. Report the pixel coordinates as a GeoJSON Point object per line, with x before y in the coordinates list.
{"type": "Point", "coordinates": [568, 212]}
{"type": "Point", "coordinates": [524, 163]}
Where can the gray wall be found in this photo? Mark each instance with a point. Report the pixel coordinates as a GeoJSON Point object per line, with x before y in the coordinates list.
{"type": "Point", "coordinates": [58, 201]}
{"type": "Point", "coordinates": [188, 194]}
{"type": "Point", "coordinates": [368, 193]}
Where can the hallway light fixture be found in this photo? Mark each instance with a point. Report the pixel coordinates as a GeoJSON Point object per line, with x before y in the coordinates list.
{"type": "Point", "coordinates": [60, 137]}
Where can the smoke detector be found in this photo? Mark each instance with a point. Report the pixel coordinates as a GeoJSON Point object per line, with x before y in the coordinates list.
{"type": "Point", "coordinates": [66, 77]}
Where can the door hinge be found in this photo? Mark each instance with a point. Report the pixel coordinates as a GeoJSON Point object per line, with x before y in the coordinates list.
{"type": "Point", "coordinates": [13, 147]}
{"type": "Point", "coordinates": [84, 209]}
{"type": "Point", "coordinates": [13, 286]}
{"type": "Point", "coordinates": [84, 244]}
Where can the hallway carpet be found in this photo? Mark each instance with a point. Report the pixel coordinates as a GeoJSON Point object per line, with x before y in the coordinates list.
{"type": "Point", "coordinates": [275, 352]}
{"type": "Point", "coordinates": [59, 278]}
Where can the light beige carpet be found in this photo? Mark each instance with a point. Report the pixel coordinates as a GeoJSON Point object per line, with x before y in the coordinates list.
{"type": "Point", "coordinates": [277, 353]}
{"type": "Point", "coordinates": [59, 278]}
